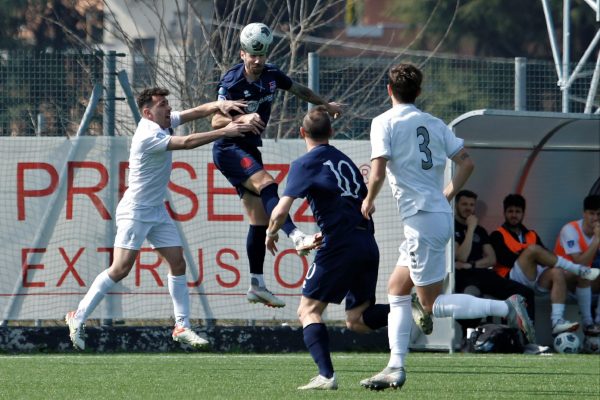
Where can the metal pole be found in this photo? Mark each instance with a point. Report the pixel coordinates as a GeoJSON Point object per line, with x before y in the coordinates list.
{"type": "Point", "coordinates": [89, 110]}
{"type": "Point", "coordinates": [520, 83]}
{"type": "Point", "coordinates": [313, 74]}
{"type": "Point", "coordinates": [593, 87]}
{"type": "Point", "coordinates": [110, 67]}
{"type": "Point", "coordinates": [124, 81]}
{"type": "Point", "coordinates": [566, 50]}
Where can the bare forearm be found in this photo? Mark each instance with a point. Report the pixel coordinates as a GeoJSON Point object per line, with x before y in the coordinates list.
{"type": "Point", "coordinates": [200, 111]}
{"type": "Point", "coordinates": [194, 140]}
{"type": "Point", "coordinates": [306, 94]}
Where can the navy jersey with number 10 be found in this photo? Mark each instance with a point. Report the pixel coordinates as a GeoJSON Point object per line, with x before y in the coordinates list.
{"type": "Point", "coordinates": [334, 188]}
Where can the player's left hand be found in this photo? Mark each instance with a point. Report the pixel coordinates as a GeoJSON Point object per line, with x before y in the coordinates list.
{"type": "Point", "coordinates": [226, 106]}
{"type": "Point", "coordinates": [270, 243]}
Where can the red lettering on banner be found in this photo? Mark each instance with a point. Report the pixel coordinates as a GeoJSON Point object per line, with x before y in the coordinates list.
{"type": "Point", "coordinates": [123, 167]}
{"type": "Point", "coordinates": [185, 192]}
{"type": "Point", "coordinates": [200, 271]}
{"type": "Point", "coordinates": [228, 267]}
{"type": "Point", "coordinates": [26, 267]}
{"type": "Point", "coordinates": [70, 267]}
{"type": "Point", "coordinates": [110, 251]}
{"type": "Point", "coordinates": [139, 266]}
{"type": "Point", "coordinates": [283, 171]}
{"type": "Point", "coordinates": [278, 277]}
{"type": "Point", "coordinates": [22, 193]}
{"type": "Point", "coordinates": [300, 216]}
{"type": "Point", "coordinates": [88, 191]}
{"type": "Point", "coordinates": [212, 192]}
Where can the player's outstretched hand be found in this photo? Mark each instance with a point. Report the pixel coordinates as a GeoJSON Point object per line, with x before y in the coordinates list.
{"type": "Point", "coordinates": [335, 109]}
{"type": "Point", "coordinates": [253, 119]}
{"type": "Point", "coordinates": [226, 106]}
{"type": "Point", "coordinates": [270, 243]}
{"type": "Point", "coordinates": [237, 129]}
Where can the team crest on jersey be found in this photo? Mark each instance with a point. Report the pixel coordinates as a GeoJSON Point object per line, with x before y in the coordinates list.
{"type": "Point", "coordinates": [272, 86]}
{"type": "Point", "coordinates": [570, 243]}
{"type": "Point", "coordinates": [246, 162]}
{"type": "Point", "coordinates": [251, 107]}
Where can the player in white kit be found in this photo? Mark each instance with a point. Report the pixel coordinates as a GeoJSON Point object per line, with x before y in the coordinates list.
{"type": "Point", "coordinates": [413, 148]}
{"type": "Point", "coordinates": [142, 214]}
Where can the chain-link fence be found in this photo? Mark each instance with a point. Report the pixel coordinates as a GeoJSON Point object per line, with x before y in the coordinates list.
{"type": "Point", "coordinates": [46, 94]}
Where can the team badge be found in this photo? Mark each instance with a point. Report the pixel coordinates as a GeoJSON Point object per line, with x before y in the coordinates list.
{"type": "Point", "coordinates": [272, 86]}
{"type": "Point", "coordinates": [251, 107]}
{"type": "Point", "coordinates": [246, 162]}
{"type": "Point", "coordinates": [570, 243]}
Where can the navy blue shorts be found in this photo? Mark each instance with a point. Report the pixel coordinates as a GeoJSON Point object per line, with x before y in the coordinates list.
{"type": "Point", "coordinates": [237, 163]}
{"type": "Point", "coordinates": [344, 268]}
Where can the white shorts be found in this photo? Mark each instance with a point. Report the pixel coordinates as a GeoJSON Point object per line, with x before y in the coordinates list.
{"type": "Point", "coordinates": [136, 223]}
{"type": "Point", "coordinates": [423, 250]}
{"type": "Point", "coordinates": [516, 274]}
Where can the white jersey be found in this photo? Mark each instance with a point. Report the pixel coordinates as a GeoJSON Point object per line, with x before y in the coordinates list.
{"type": "Point", "coordinates": [569, 238]}
{"type": "Point", "coordinates": [150, 163]}
{"type": "Point", "coordinates": [417, 146]}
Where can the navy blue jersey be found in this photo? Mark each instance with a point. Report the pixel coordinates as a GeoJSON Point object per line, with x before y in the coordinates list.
{"type": "Point", "coordinates": [334, 188]}
{"type": "Point", "coordinates": [259, 94]}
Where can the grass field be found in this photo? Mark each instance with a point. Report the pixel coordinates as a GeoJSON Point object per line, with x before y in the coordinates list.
{"type": "Point", "coordinates": [276, 376]}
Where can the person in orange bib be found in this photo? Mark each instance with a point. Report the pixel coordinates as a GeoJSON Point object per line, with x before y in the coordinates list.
{"type": "Point", "coordinates": [522, 256]}
{"type": "Point", "coordinates": [579, 241]}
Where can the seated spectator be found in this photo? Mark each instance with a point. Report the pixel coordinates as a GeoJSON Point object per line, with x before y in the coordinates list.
{"type": "Point", "coordinates": [475, 257]}
{"type": "Point", "coordinates": [579, 241]}
{"type": "Point", "coordinates": [522, 256]}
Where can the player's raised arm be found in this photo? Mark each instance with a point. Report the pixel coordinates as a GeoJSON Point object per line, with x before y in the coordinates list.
{"type": "Point", "coordinates": [334, 109]}
{"type": "Point", "coordinates": [233, 129]}
{"type": "Point", "coordinates": [224, 107]}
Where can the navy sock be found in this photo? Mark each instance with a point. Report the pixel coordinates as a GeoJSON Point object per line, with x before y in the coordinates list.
{"type": "Point", "coordinates": [376, 315]}
{"type": "Point", "coordinates": [316, 340]}
{"type": "Point", "coordinates": [270, 198]}
{"type": "Point", "coordinates": [255, 247]}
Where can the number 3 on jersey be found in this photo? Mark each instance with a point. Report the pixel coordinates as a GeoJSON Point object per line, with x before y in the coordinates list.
{"type": "Point", "coordinates": [427, 163]}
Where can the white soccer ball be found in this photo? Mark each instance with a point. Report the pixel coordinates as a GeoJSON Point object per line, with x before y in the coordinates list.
{"type": "Point", "coordinates": [566, 342]}
{"type": "Point", "coordinates": [591, 344]}
{"type": "Point", "coordinates": [256, 38]}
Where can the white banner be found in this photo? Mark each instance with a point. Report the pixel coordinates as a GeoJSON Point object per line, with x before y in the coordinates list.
{"type": "Point", "coordinates": [58, 199]}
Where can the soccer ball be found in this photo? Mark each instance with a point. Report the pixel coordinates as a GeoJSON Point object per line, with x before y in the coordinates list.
{"type": "Point", "coordinates": [256, 38]}
{"type": "Point", "coordinates": [566, 342]}
{"type": "Point", "coordinates": [591, 344]}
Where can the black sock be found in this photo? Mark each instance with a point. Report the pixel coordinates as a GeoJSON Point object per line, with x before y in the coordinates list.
{"type": "Point", "coordinates": [316, 340]}
{"type": "Point", "coordinates": [270, 198]}
{"type": "Point", "coordinates": [376, 315]}
{"type": "Point", "coordinates": [255, 247]}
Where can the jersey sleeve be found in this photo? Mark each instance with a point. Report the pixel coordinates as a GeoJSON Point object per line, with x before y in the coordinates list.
{"type": "Point", "coordinates": [380, 140]}
{"type": "Point", "coordinates": [569, 239]}
{"type": "Point", "coordinates": [452, 143]}
{"type": "Point", "coordinates": [156, 141]}
{"type": "Point", "coordinates": [298, 181]}
{"type": "Point", "coordinates": [175, 119]}
{"type": "Point", "coordinates": [283, 81]}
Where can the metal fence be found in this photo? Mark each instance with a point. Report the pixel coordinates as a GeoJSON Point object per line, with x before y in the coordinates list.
{"type": "Point", "coordinates": [46, 94]}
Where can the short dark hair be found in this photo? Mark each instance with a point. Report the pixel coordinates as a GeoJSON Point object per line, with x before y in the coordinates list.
{"type": "Point", "coordinates": [405, 81]}
{"type": "Point", "coordinates": [465, 193]}
{"type": "Point", "coordinates": [514, 200]}
{"type": "Point", "coordinates": [316, 123]}
{"type": "Point", "coordinates": [144, 99]}
{"type": "Point", "coordinates": [591, 202]}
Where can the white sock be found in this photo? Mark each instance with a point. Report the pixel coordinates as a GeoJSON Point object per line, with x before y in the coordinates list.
{"type": "Point", "coordinates": [101, 285]}
{"type": "Point", "coordinates": [260, 279]}
{"type": "Point", "coordinates": [399, 324]}
{"type": "Point", "coordinates": [567, 265]}
{"type": "Point", "coordinates": [464, 306]}
{"type": "Point", "coordinates": [584, 300]}
{"type": "Point", "coordinates": [558, 310]}
{"type": "Point", "coordinates": [181, 299]}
